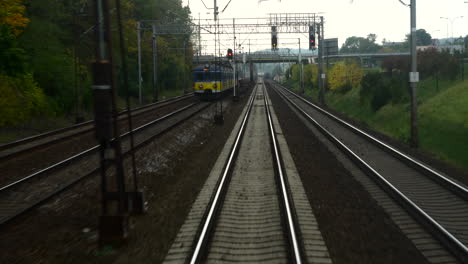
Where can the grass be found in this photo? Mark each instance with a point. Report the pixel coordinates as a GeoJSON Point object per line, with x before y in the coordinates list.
{"type": "Point", "coordinates": [442, 113]}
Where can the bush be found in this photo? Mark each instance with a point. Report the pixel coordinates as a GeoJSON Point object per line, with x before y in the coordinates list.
{"type": "Point", "coordinates": [21, 99]}
{"type": "Point", "coordinates": [344, 76]}
{"type": "Point", "coordinates": [382, 88]}
{"type": "Point", "coordinates": [430, 62]}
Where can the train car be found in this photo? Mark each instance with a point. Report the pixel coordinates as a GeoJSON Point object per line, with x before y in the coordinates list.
{"type": "Point", "coordinates": [211, 81]}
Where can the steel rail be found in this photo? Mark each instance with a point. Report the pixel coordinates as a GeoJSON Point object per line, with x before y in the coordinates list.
{"type": "Point", "coordinates": [26, 140]}
{"type": "Point", "coordinates": [220, 189]}
{"type": "Point", "coordinates": [92, 172]}
{"type": "Point", "coordinates": [450, 241]}
{"type": "Point", "coordinates": [285, 194]}
{"type": "Point", "coordinates": [447, 182]}
{"type": "Point", "coordinates": [86, 152]}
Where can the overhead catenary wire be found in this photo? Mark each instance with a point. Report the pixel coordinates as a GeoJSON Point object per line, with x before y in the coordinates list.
{"type": "Point", "coordinates": [405, 4]}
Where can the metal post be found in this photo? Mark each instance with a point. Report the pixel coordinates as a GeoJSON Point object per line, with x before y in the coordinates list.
{"type": "Point", "coordinates": [414, 78]}
{"type": "Point", "coordinates": [185, 66]}
{"type": "Point", "coordinates": [215, 12]}
{"type": "Point", "coordinates": [218, 118]}
{"type": "Point", "coordinates": [234, 59]}
{"type": "Point", "coordinates": [321, 96]}
{"type": "Point", "coordinates": [139, 60]}
{"type": "Point", "coordinates": [75, 72]}
{"type": "Point", "coordinates": [301, 83]}
{"type": "Point", "coordinates": [155, 64]}
{"type": "Point", "coordinates": [113, 224]}
{"type": "Point", "coordinates": [322, 40]}
{"type": "Point", "coordinates": [199, 38]}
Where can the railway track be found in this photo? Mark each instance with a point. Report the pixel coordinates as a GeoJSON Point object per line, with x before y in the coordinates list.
{"type": "Point", "coordinates": [253, 208]}
{"type": "Point", "coordinates": [33, 190]}
{"type": "Point", "coordinates": [436, 201]}
{"type": "Point", "coordinates": [30, 155]}
{"type": "Point", "coordinates": [25, 145]}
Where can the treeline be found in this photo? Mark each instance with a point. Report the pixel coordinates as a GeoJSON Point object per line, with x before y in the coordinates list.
{"type": "Point", "coordinates": [342, 76]}
{"type": "Point", "coordinates": [368, 44]}
{"type": "Point", "coordinates": [46, 48]}
{"type": "Point", "coordinates": [21, 97]}
{"type": "Point", "coordinates": [389, 84]}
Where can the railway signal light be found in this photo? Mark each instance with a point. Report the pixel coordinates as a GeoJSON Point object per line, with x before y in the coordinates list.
{"type": "Point", "coordinates": [311, 37]}
{"type": "Point", "coordinates": [274, 38]}
{"type": "Point", "coordinates": [274, 42]}
{"type": "Point", "coordinates": [229, 54]}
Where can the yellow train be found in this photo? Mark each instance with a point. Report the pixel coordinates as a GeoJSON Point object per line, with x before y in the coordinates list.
{"type": "Point", "coordinates": [209, 81]}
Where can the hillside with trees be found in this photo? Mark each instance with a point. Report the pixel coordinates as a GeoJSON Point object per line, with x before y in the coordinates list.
{"type": "Point", "coordinates": [46, 48]}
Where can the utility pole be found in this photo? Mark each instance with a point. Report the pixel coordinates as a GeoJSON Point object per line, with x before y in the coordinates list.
{"type": "Point", "coordinates": [301, 78]}
{"type": "Point", "coordinates": [199, 38]}
{"type": "Point", "coordinates": [413, 78]}
{"type": "Point", "coordinates": [218, 117]}
{"type": "Point", "coordinates": [235, 97]}
{"type": "Point", "coordinates": [139, 60]}
{"type": "Point", "coordinates": [113, 222]}
{"type": "Point", "coordinates": [321, 96]}
{"type": "Point", "coordinates": [75, 68]}
{"type": "Point", "coordinates": [155, 64]}
{"type": "Point", "coordinates": [185, 63]}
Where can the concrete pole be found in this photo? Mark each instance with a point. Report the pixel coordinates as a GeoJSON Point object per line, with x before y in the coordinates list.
{"type": "Point", "coordinates": [215, 11]}
{"type": "Point", "coordinates": [199, 39]}
{"type": "Point", "coordinates": [234, 56]}
{"type": "Point", "coordinates": [414, 78]}
{"type": "Point", "coordinates": [301, 80]}
{"type": "Point", "coordinates": [321, 96]}
{"type": "Point", "coordinates": [155, 65]}
{"type": "Point", "coordinates": [185, 66]}
{"type": "Point", "coordinates": [322, 41]}
{"type": "Point", "coordinates": [139, 60]}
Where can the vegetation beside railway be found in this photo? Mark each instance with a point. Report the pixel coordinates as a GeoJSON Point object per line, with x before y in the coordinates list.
{"type": "Point", "coordinates": [381, 101]}
{"type": "Point", "coordinates": [46, 53]}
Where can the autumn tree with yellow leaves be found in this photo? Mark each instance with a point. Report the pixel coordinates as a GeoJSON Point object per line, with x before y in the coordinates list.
{"type": "Point", "coordinates": [344, 75]}
{"type": "Point", "coordinates": [12, 15]}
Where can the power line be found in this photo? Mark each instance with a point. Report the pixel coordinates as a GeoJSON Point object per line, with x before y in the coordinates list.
{"type": "Point", "coordinates": [204, 4]}
{"type": "Point", "coordinates": [226, 6]}
{"type": "Point", "coordinates": [405, 4]}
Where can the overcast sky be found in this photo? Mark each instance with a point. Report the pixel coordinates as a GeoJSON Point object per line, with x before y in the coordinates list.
{"type": "Point", "coordinates": [388, 19]}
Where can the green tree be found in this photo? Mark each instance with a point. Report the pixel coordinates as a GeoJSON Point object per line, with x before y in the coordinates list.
{"type": "Point", "coordinates": [422, 38]}
{"type": "Point", "coordinates": [21, 99]}
{"type": "Point", "coordinates": [12, 57]}
{"type": "Point", "coordinates": [360, 45]}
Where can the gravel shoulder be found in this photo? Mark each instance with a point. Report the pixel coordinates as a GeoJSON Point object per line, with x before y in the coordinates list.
{"type": "Point", "coordinates": [355, 228]}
